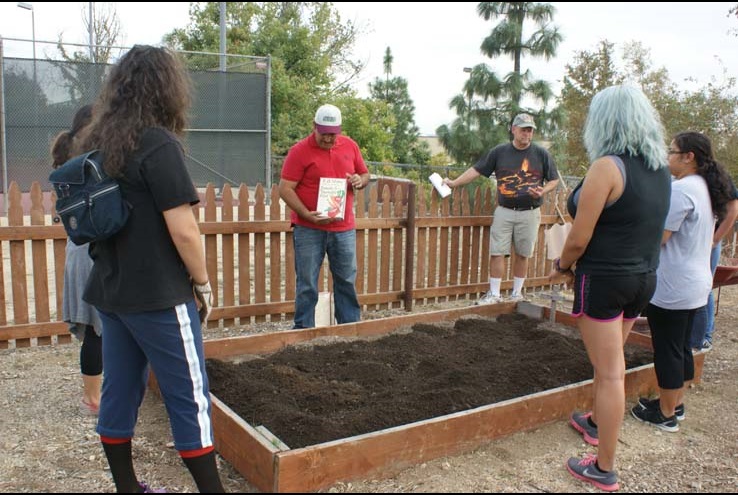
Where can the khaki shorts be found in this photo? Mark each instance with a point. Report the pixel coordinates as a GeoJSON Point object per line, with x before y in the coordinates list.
{"type": "Point", "coordinates": [514, 226]}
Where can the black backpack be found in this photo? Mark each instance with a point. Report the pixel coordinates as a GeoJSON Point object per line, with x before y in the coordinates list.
{"type": "Point", "coordinates": [88, 201]}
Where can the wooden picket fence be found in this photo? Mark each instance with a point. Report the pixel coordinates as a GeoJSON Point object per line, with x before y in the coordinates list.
{"type": "Point", "coordinates": [412, 249]}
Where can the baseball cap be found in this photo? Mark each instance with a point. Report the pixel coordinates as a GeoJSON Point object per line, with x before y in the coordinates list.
{"type": "Point", "coordinates": [524, 120]}
{"type": "Point", "coordinates": [328, 120]}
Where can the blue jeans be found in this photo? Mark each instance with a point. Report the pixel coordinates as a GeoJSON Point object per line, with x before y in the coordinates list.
{"type": "Point", "coordinates": [704, 318]}
{"type": "Point", "coordinates": [311, 246]}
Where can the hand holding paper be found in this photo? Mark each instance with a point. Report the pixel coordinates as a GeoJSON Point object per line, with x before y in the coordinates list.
{"type": "Point", "coordinates": [437, 181]}
{"type": "Point", "coordinates": [555, 238]}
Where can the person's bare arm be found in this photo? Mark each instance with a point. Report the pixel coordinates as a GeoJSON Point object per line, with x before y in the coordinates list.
{"type": "Point", "coordinates": [539, 191]}
{"type": "Point", "coordinates": [603, 178]}
{"type": "Point", "coordinates": [727, 224]}
{"type": "Point", "coordinates": [358, 181]}
{"type": "Point", "coordinates": [289, 196]}
{"type": "Point", "coordinates": [185, 234]}
{"type": "Point", "coordinates": [469, 175]}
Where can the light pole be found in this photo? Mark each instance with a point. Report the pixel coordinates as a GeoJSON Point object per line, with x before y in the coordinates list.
{"type": "Point", "coordinates": [28, 6]}
{"type": "Point", "coordinates": [91, 29]}
{"type": "Point", "coordinates": [223, 33]}
{"type": "Point", "coordinates": [468, 70]}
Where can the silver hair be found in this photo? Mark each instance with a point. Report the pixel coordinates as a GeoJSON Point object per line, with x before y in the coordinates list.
{"type": "Point", "coordinates": [621, 120]}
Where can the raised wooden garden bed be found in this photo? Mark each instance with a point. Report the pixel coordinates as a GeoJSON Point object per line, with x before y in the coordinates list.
{"type": "Point", "coordinates": [271, 466]}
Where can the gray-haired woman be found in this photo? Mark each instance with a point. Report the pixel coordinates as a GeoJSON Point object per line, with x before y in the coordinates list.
{"type": "Point", "coordinates": [619, 210]}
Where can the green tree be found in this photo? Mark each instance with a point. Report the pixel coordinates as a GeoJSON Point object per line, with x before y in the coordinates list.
{"type": "Point", "coordinates": [711, 109]}
{"type": "Point", "coordinates": [507, 39]}
{"type": "Point", "coordinates": [465, 140]}
{"type": "Point", "coordinates": [589, 73]}
{"type": "Point", "coordinates": [365, 120]}
{"type": "Point", "coordinates": [309, 44]}
{"type": "Point", "coordinates": [490, 100]}
{"type": "Point", "coordinates": [394, 92]}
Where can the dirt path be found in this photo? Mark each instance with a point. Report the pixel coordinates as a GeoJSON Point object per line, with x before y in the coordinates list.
{"type": "Point", "coordinates": [48, 446]}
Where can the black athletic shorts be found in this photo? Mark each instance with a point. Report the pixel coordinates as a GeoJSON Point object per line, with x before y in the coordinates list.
{"type": "Point", "coordinates": [607, 297]}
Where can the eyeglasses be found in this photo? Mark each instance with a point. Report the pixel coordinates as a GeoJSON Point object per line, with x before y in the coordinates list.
{"type": "Point", "coordinates": [675, 152]}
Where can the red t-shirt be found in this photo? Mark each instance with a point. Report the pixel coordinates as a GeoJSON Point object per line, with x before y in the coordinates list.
{"type": "Point", "coordinates": [306, 163]}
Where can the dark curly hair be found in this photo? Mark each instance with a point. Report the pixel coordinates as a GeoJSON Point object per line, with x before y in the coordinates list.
{"type": "Point", "coordinates": [718, 181]}
{"type": "Point", "coordinates": [64, 144]}
{"type": "Point", "coordinates": [148, 87]}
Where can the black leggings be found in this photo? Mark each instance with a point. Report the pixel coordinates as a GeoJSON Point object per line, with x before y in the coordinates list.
{"type": "Point", "coordinates": [672, 355]}
{"type": "Point", "coordinates": [90, 356]}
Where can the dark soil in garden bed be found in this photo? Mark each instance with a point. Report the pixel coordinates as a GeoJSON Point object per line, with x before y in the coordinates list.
{"type": "Point", "coordinates": [310, 395]}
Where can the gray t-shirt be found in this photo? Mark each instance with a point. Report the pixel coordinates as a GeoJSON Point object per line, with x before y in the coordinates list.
{"type": "Point", "coordinates": [684, 278]}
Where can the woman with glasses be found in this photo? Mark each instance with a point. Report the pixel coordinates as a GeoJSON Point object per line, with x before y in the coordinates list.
{"type": "Point", "coordinates": [700, 193]}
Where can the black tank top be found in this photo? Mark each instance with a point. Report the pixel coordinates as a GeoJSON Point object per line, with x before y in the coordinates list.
{"type": "Point", "coordinates": [627, 236]}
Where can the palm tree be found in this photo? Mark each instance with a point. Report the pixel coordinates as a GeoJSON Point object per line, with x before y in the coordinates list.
{"type": "Point", "coordinates": [507, 39]}
{"type": "Point", "coordinates": [394, 91]}
{"type": "Point", "coordinates": [388, 59]}
{"type": "Point", "coordinates": [494, 99]}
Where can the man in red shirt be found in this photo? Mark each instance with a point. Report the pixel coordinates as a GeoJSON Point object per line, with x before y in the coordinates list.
{"type": "Point", "coordinates": [323, 154]}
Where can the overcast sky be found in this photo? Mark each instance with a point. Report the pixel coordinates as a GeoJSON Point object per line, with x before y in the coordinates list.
{"type": "Point", "coordinates": [432, 42]}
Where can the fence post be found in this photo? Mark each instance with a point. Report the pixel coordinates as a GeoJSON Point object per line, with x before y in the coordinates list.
{"type": "Point", "coordinates": [3, 142]}
{"type": "Point", "coordinates": [410, 247]}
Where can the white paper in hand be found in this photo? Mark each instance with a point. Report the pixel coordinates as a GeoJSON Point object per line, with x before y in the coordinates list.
{"type": "Point", "coordinates": [437, 181]}
{"type": "Point", "coordinates": [555, 239]}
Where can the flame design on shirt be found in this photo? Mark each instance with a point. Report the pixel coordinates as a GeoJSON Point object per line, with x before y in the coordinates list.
{"type": "Point", "coordinates": [518, 184]}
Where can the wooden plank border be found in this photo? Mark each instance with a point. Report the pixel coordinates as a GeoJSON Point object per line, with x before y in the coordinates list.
{"type": "Point", "coordinates": [385, 452]}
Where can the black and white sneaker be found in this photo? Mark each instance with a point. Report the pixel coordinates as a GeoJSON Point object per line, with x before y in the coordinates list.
{"type": "Point", "coordinates": [654, 416]}
{"type": "Point", "coordinates": [655, 403]}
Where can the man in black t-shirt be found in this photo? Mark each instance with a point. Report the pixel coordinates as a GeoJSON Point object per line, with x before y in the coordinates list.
{"type": "Point", "coordinates": [524, 173]}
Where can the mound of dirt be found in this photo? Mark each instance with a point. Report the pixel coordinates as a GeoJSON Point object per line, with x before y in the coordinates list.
{"type": "Point", "coordinates": [309, 395]}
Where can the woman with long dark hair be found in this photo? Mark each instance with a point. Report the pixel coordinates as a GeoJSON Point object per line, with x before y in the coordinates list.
{"type": "Point", "coordinates": [700, 194]}
{"type": "Point", "coordinates": [143, 277]}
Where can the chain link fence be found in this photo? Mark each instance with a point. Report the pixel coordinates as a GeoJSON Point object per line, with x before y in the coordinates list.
{"type": "Point", "coordinates": [229, 137]}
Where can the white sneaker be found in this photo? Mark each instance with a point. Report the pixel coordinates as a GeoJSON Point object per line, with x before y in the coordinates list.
{"type": "Point", "coordinates": [489, 298]}
{"type": "Point", "coordinates": [516, 298]}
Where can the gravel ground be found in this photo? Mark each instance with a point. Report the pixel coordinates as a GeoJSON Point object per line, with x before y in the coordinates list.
{"type": "Point", "coordinates": [48, 445]}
